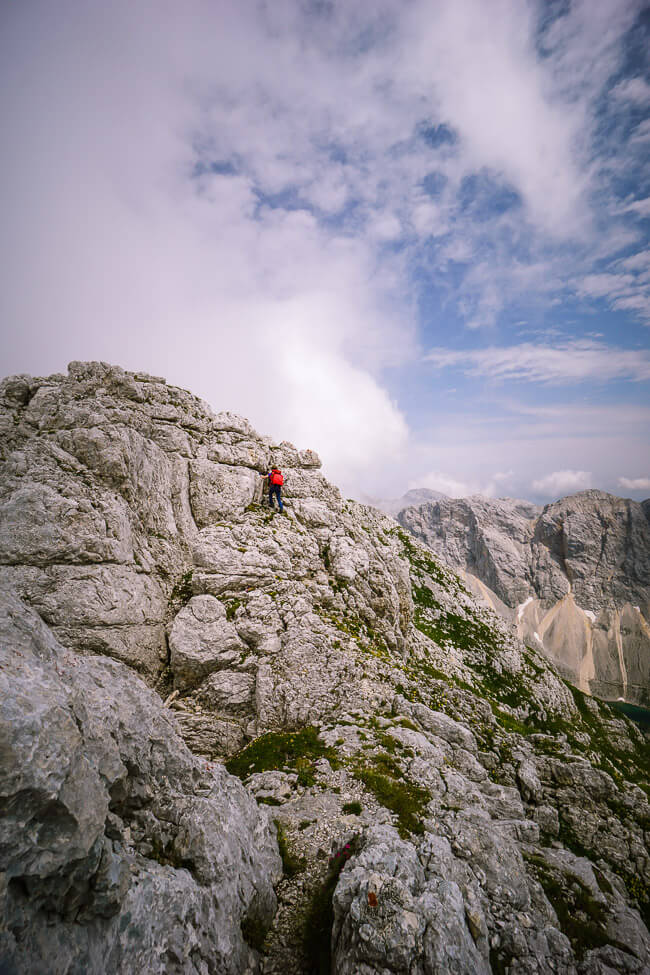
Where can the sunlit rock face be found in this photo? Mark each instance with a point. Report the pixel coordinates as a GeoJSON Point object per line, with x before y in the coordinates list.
{"type": "Point", "coordinates": [575, 576]}
{"type": "Point", "coordinates": [180, 666]}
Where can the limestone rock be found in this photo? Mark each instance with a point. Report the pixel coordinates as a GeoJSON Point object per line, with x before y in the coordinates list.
{"type": "Point", "coordinates": [443, 726]}
{"type": "Point", "coordinates": [202, 640]}
{"type": "Point", "coordinates": [331, 661]}
{"type": "Point", "coordinates": [120, 851]}
{"type": "Point", "coordinates": [219, 490]}
{"type": "Point", "coordinates": [576, 574]}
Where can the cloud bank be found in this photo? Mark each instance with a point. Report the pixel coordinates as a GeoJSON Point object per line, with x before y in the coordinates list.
{"type": "Point", "coordinates": [570, 361]}
{"type": "Point", "coordinates": [559, 483]}
{"type": "Point", "coordinates": [304, 211]}
{"type": "Point", "coordinates": [635, 483]}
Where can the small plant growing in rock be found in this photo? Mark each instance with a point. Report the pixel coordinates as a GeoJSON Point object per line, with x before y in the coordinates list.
{"type": "Point", "coordinates": [353, 808]}
{"type": "Point", "coordinates": [232, 608]}
{"type": "Point", "coordinates": [182, 591]}
{"type": "Point", "coordinates": [254, 933]}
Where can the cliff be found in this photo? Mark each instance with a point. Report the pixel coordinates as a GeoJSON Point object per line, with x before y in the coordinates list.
{"type": "Point", "coordinates": [575, 574]}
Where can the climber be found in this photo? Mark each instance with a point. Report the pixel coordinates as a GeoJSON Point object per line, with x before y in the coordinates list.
{"type": "Point", "coordinates": [276, 481]}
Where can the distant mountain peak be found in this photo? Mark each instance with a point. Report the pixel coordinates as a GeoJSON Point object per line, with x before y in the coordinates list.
{"type": "Point", "coordinates": [413, 497]}
{"type": "Point", "coordinates": [576, 572]}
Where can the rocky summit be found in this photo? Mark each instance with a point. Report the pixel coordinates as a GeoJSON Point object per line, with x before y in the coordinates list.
{"type": "Point", "coordinates": [235, 741]}
{"type": "Point", "coordinates": [573, 576]}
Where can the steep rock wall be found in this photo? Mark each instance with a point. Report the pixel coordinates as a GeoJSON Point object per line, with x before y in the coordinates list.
{"type": "Point", "coordinates": [576, 574]}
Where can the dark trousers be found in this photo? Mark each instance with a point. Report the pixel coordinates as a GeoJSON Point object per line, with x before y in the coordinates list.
{"type": "Point", "coordinates": [275, 489]}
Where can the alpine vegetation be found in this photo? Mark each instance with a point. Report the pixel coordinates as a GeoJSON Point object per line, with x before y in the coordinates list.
{"type": "Point", "coordinates": [241, 739]}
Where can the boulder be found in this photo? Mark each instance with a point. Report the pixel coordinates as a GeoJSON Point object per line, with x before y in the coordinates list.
{"type": "Point", "coordinates": [202, 640]}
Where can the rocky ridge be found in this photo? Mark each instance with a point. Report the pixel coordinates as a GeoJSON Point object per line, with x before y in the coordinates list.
{"type": "Point", "coordinates": [574, 576]}
{"type": "Point", "coordinates": [444, 801]}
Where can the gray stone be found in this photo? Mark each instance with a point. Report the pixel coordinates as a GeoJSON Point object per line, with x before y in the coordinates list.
{"type": "Point", "coordinates": [227, 690]}
{"type": "Point", "coordinates": [201, 640]}
{"type": "Point", "coordinates": [129, 512]}
{"type": "Point", "coordinates": [444, 727]}
{"type": "Point", "coordinates": [120, 850]}
{"type": "Point", "coordinates": [576, 574]}
{"type": "Point", "coordinates": [219, 491]}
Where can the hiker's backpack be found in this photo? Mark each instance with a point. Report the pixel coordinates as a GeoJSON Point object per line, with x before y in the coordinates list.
{"type": "Point", "coordinates": [276, 478]}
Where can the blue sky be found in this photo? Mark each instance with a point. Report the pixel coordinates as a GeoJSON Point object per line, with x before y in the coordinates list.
{"type": "Point", "coordinates": [412, 235]}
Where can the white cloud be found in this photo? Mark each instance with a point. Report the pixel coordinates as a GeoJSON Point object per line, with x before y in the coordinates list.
{"type": "Point", "coordinates": [639, 303]}
{"type": "Point", "coordinates": [642, 132]}
{"type": "Point", "coordinates": [625, 291]}
{"type": "Point", "coordinates": [635, 483]}
{"type": "Point", "coordinates": [560, 483]}
{"type": "Point", "coordinates": [637, 262]}
{"type": "Point", "coordinates": [213, 192]}
{"type": "Point", "coordinates": [446, 484]}
{"type": "Point", "coordinates": [467, 442]}
{"type": "Point", "coordinates": [116, 252]}
{"type": "Point", "coordinates": [429, 219]}
{"type": "Point", "coordinates": [456, 488]}
{"type": "Point", "coordinates": [633, 90]}
{"type": "Point", "coordinates": [642, 207]}
{"type": "Point", "coordinates": [524, 118]}
{"type": "Point", "coordinates": [385, 227]}
{"type": "Point", "coordinates": [602, 285]}
{"type": "Point", "coordinates": [570, 361]}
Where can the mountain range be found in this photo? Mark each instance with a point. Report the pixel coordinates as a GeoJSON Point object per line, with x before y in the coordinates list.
{"type": "Point", "coordinates": [574, 576]}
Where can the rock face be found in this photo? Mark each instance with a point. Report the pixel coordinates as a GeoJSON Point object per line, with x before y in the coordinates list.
{"type": "Point", "coordinates": [446, 803]}
{"type": "Point", "coordinates": [576, 574]}
{"type": "Point", "coordinates": [120, 850]}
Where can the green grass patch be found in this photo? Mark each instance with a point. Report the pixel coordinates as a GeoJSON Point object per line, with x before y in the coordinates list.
{"type": "Point", "coordinates": [383, 777]}
{"type": "Point", "coordinates": [352, 808]}
{"type": "Point", "coordinates": [622, 765]}
{"type": "Point", "coordinates": [464, 632]}
{"type": "Point", "coordinates": [419, 559]}
{"type": "Point", "coordinates": [405, 723]}
{"type": "Point", "coordinates": [231, 608]}
{"type": "Point", "coordinates": [424, 598]}
{"type": "Point", "coordinates": [182, 590]}
{"type": "Point", "coordinates": [636, 887]}
{"type": "Point", "coordinates": [276, 750]}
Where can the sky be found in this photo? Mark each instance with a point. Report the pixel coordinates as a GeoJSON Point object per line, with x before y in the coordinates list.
{"type": "Point", "coordinates": [413, 236]}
